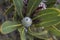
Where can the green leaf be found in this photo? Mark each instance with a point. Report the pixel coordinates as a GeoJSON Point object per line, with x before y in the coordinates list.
{"type": "Point", "coordinates": [19, 6]}
{"type": "Point", "coordinates": [57, 25]}
{"type": "Point", "coordinates": [38, 34]}
{"type": "Point", "coordinates": [22, 33]}
{"type": "Point", "coordinates": [53, 30]}
{"type": "Point", "coordinates": [50, 3]}
{"type": "Point", "coordinates": [30, 37]}
{"type": "Point", "coordinates": [57, 6]}
{"type": "Point", "coordinates": [32, 5]}
{"type": "Point", "coordinates": [10, 9]}
{"type": "Point", "coordinates": [9, 26]}
{"type": "Point", "coordinates": [48, 17]}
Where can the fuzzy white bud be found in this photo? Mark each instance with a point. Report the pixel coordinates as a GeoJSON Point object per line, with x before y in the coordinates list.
{"type": "Point", "coordinates": [27, 21]}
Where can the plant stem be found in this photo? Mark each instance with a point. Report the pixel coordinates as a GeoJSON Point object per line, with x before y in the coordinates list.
{"type": "Point", "coordinates": [22, 33]}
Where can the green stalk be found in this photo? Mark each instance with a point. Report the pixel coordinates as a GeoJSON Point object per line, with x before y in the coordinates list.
{"type": "Point", "coordinates": [22, 33]}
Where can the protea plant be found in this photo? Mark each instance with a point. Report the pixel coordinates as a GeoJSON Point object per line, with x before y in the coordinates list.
{"type": "Point", "coordinates": [31, 15]}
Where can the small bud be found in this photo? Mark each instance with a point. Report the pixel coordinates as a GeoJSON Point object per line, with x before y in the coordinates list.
{"type": "Point", "coordinates": [27, 21]}
{"type": "Point", "coordinates": [43, 5]}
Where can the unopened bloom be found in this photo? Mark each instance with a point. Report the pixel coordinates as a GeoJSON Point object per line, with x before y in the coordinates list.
{"type": "Point", "coordinates": [27, 21]}
{"type": "Point", "coordinates": [43, 5]}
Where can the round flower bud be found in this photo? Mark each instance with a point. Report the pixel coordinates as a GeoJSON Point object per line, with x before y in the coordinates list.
{"type": "Point", "coordinates": [27, 21]}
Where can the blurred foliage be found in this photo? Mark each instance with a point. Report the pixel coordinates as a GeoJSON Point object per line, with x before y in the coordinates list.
{"type": "Point", "coordinates": [50, 3]}
{"type": "Point", "coordinates": [47, 28]}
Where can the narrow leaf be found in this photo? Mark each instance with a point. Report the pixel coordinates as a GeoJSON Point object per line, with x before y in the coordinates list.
{"type": "Point", "coordinates": [53, 30]}
{"type": "Point", "coordinates": [38, 34]}
{"type": "Point", "coordinates": [32, 5]}
{"type": "Point", "coordinates": [18, 5]}
{"type": "Point", "coordinates": [9, 26]}
{"type": "Point", "coordinates": [50, 3]}
{"type": "Point", "coordinates": [48, 11]}
{"type": "Point", "coordinates": [57, 25]}
{"type": "Point", "coordinates": [9, 9]}
{"type": "Point", "coordinates": [48, 17]}
{"type": "Point", "coordinates": [22, 33]}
